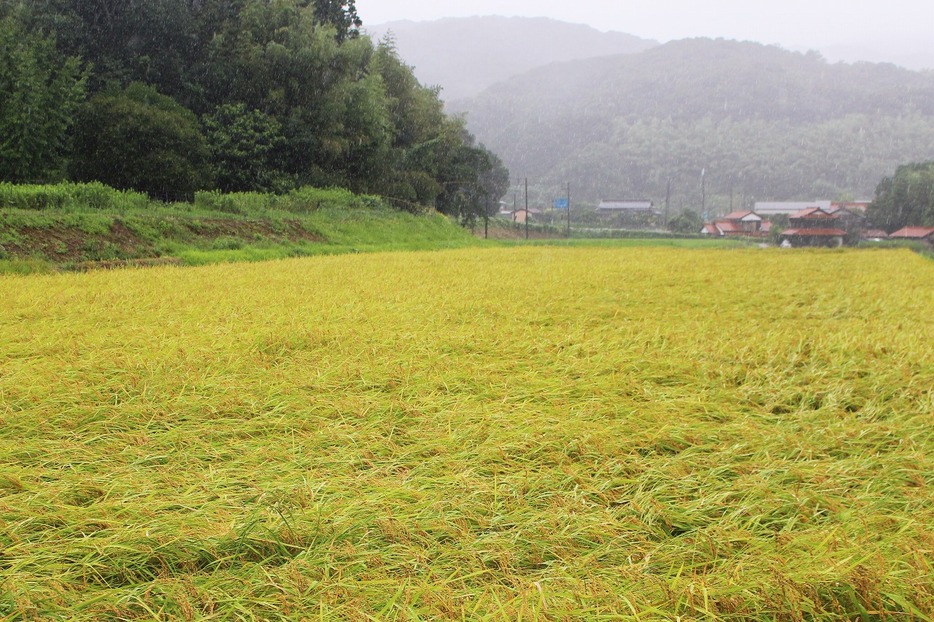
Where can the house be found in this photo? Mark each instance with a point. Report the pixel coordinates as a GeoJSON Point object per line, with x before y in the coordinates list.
{"type": "Point", "coordinates": [766, 209]}
{"type": "Point", "coordinates": [747, 221]}
{"type": "Point", "coordinates": [629, 211]}
{"type": "Point", "coordinates": [742, 223]}
{"type": "Point", "coordinates": [627, 206]}
{"type": "Point", "coordinates": [522, 214]}
{"type": "Point", "coordinates": [855, 207]}
{"type": "Point", "coordinates": [920, 234]}
{"type": "Point", "coordinates": [637, 213]}
{"type": "Point", "coordinates": [873, 235]}
{"type": "Point", "coordinates": [814, 226]}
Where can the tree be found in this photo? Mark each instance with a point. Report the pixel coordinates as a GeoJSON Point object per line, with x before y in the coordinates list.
{"type": "Point", "coordinates": [470, 176]}
{"type": "Point", "coordinates": [907, 198]}
{"type": "Point", "coordinates": [687, 221]}
{"type": "Point", "coordinates": [40, 91]}
{"type": "Point", "coordinates": [288, 94]}
{"type": "Point", "coordinates": [246, 148]}
{"type": "Point", "coordinates": [339, 14]}
{"type": "Point", "coordinates": [153, 41]}
{"type": "Point", "coordinates": [137, 138]}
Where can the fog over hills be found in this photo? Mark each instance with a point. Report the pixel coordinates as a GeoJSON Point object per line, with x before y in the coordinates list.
{"type": "Point", "coordinates": [762, 122]}
{"type": "Point", "coordinates": [907, 52]}
{"type": "Point", "coordinates": [466, 55]}
{"type": "Point", "coordinates": [618, 116]}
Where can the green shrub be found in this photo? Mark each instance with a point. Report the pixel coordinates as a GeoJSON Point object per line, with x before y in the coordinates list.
{"type": "Point", "coordinates": [138, 138]}
{"type": "Point", "coordinates": [93, 196]}
{"type": "Point", "coordinates": [25, 266]}
{"type": "Point", "coordinates": [227, 243]}
{"type": "Point", "coordinates": [234, 202]}
{"type": "Point", "coordinates": [303, 200]}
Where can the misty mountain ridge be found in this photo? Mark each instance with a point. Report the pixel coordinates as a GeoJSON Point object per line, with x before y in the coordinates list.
{"type": "Point", "coordinates": [464, 56]}
{"type": "Point", "coordinates": [711, 77]}
{"type": "Point", "coordinates": [761, 120]}
{"type": "Point", "coordinates": [914, 53]}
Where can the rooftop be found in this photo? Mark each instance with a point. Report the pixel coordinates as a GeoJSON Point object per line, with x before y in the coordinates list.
{"type": "Point", "coordinates": [788, 207]}
{"type": "Point", "coordinates": [812, 213]}
{"type": "Point", "coordinates": [742, 215]}
{"type": "Point", "coordinates": [913, 233]}
{"type": "Point", "coordinates": [625, 204]}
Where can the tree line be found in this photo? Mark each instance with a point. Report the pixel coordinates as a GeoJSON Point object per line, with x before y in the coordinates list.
{"type": "Point", "coordinates": [173, 96]}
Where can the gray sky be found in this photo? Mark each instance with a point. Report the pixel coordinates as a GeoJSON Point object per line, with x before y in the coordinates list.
{"type": "Point", "coordinates": [891, 28]}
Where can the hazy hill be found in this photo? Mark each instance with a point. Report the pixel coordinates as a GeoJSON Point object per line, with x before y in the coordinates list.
{"type": "Point", "coordinates": [763, 121]}
{"type": "Point", "coordinates": [466, 55]}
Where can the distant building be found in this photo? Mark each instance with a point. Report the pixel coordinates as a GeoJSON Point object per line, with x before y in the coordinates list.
{"type": "Point", "coordinates": [766, 209]}
{"type": "Point", "coordinates": [748, 221]}
{"type": "Point", "coordinates": [742, 223]}
{"type": "Point", "coordinates": [873, 235]}
{"type": "Point", "coordinates": [856, 207]}
{"type": "Point", "coordinates": [815, 227]}
{"type": "Point", "coordinates": [521, 215]}
{"type": "Point", "coordinates": [627, 206]}
{"type": "Point", "coordinates": [921, 234]}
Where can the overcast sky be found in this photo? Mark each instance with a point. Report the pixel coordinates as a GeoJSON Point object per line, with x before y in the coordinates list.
{"type": "Point", "coordinates": [901, 26]}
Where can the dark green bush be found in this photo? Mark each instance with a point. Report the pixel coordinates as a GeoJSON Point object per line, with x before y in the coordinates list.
{"type": "Point", "coordinates": [139, 139]}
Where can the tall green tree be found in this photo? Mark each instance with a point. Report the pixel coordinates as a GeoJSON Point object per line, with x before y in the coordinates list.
{"type": "Point", "coordinates": [152, 41]}
{"type": "Point", "coordinates": [331, 106]}
{"type": "Point", "coordinates": [906, 198]}
{"type": "Point", "coordinates": [40, 91]}
{"type": "Point", "coordinates": [471, 177]}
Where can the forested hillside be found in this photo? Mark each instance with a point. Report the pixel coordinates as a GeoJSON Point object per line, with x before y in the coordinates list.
{"type": "Point", "coordinates": [174, 96]}
{"type": "Point", "coordinates": [465, 55]}
{"type": "Point", "coordinates": [760, 121]}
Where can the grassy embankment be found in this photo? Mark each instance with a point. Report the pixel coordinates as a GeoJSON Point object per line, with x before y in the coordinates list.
{"type": "Point", "coordinates": [72, 225]}
{"type": "Point", "coordinates": [77, 226]}
{"type": "Point", "coordinates": [527, 433]}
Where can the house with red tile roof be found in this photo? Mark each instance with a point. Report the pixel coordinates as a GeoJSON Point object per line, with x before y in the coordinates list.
{"type": "Point", "coordinates": [815, 226]}
{"type": "Point", "coordinates": [741, 223]}
{"type": "Point", "coordinates": [921, 234]}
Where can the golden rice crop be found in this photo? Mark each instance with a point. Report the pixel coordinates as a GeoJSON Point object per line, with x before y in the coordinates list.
{"type": "Point", "coordinates": [530, 433]}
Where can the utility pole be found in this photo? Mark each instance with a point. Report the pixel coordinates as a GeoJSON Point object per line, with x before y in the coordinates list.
{"type": "Point", "coordinates": [569, 210]}
{"type": "Point", "coordinates": [486, 219]}
{"type": "Point", "coordinates": [667, 199]}
{"type": "Point", "coordinates": [515, 205]}
{"type": "Point", "coordinates": [526, 208]}
{"type": "Point", "coordinates": [703, 193]}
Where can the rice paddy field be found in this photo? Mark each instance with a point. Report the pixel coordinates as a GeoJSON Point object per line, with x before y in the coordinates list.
{"type": "Point", "coordinates": [537, 433]}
